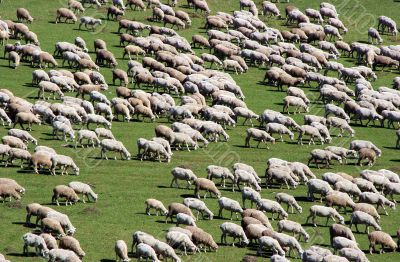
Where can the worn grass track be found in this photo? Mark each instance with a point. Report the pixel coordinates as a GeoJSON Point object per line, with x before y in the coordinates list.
{"type": "Point", "coordinates": [123, 186]}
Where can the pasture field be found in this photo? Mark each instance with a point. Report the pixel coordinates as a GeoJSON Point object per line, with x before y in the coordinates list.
{"type": "Point", "coordinates": [123, 186]}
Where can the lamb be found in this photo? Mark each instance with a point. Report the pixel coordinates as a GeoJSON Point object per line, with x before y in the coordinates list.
{"type": "Point", "coordinates": [289, 243]}
{"type": "Point", "coordinates": [70, 243]}
{"type": "Point", "coordinates": [219, 172]}
{"type": "Point", "coordinates": [353, 254]}
{"type": "Point", "coordinates": [360, 217]}
{"type": "Point", "coordinates": [64, 162]}
{"type": "Point", "coordinates": [121, 251]}
{"type": "Point", "coordinates": [289, 200]}
{"type": "Point", "coordinates": [379, 237]}
{"type": "Point", "coordinates": [205, 184]}
{"type": "Point", "coordinates": [234, 231]}
{"type": "Point", "coordinates": [230, 205]}
{"type": "Point", "coordinates": [66, 192]}
{"type": "Point", "coordinates": [293, 227]}
{"type": "Point", "coordinates": [318, 186]}
{"type": "Point", "coordinates": [296, 102]}
{"type": "Point", "coordinates": [338, 230]}
{"type": "Point", "coordinates": [358, 144]}
{"type": "Point", "coordinates": [198, 205]}
{"type": "Point", "coordinates": [84, 189]}
{"type": "Point", "coordinates": [185, 219]}
{"type": "Point", "coordinates": [37, 242]}
{"type": "Point", "coordinates": [323, 211]}
{"type": "Point", "coordinates": [182, 174]}
{"type": "Point", "coordinates": [259, 135]}
{"type": "Point", "coordinates": [177, 239]}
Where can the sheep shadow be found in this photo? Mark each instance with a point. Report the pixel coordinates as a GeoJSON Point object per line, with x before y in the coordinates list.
{"type": "Point", "coordinates": [391, 147]}
{"type": "Point", "coordinates": [13, 254]}
{"type": "Point", "coordinates": [106, 260]}
{"type": "Point", "coordinates": [302, 199]}
{"type": "Point", "coordinates": [187, 195]}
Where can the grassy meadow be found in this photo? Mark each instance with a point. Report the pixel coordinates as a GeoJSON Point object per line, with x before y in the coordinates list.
{"type": "Point", "coordinates": [123, 186]}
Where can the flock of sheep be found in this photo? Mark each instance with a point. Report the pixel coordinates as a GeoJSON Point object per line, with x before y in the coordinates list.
{"type": "Point", "coordinates": [210, 102]}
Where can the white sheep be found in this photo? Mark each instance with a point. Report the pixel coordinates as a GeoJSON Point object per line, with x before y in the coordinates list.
{"type": "Point", "coordinates": [323, 211]}
{"type": "Point", "coordinates": [90, 135]}
{"type": "Point", "coordinates": [246, 177]}
{"type": "Point", "coordinates": [37, 242]}
{"type": "Point", "coordinates": [353, 254]}
{"type": "Point", "coordinates": [267, 205]}
{"type": "Point", "coordinates": [184, 219]}
{"type": "Point", "coordinates": [157, 205]}
{"type": "Point", "coordinates": [293, 227]}
{"type": "Point", "coordinates": [116, 146]}
{"type": "Point", "coordinates": [376, 198]}
{"type": "Point", "coordinates": [214, 171]}
{"type": "Point", "coordinates": [198, 205]}
{"type": "Point", "coordinates": [180, 240]}
{"type": "Point", "coordinates": [279, 129]}
{"type": "Point", "coordinates": [270, 243]}
{"type": "Point", "coordinates": [121, 251]}
{"type": "Point", "coordinates": [58, 254]}
{"type": "Point", "coordinates": [289, 200]}
{"type": "Point", "coordinates": [230, 205]}
{"type": "Point", "coordinates": [64, 162]}
{"type": "Point", "coordinates": [23, 135]}
{"type": "Point", "coordinates": [179, 173]}
{"type": "Point", "coordinates": [250, 194]}
{"type": "Point", "coordinates": [342, 242]}
{"type": "Point", "coordinates": [84, 189]}
{"type": "Point", "coordinates": [233, 230]}
{"type": "Point", "coordinates": [288, 242]}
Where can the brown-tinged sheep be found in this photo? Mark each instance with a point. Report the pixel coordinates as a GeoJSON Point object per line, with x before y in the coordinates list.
{"type": "Point", "coordinates": [68, 242]}
{"type": "Point", "coordinates": [202, 238]}
{"type": "Point", "coordinates": [257, 214]}
{"type": "Point", "coordinates": [99, 44]}
{"type": "Point", "coordinates": [366, 153]}
{"type": "Point", "coordinates": [381, 238]}
{"type": "Point", "coordinates": [207, 185]}
{"type": "Point", "coordinates": [50, 241]}
{"type": "Point", "coordinates": [337, 230]}
{"type": "Point", "coordinates": [23, 14]}
{"type": "Point", "coordinates": [66, 192]}
{"type": "Point", "coordinates": [175, 208]}
{"type": "Point", "coordinates": [31, 210]}
{"type": "Point", "coordinates": [124, 92]}
{"type": "Point", "coordinates": [53, 226]}
{"type": "Point", "coordinates": [7, 190]}
{"type": "Point", "coordinates": [121, 75]}
{"type": "Point", "coordinates": [26, 118]}
{"type": "Point", "coordinates": [67, 14]}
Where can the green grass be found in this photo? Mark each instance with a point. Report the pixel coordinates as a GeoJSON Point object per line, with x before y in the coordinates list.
{"type": "Point", "coordinates": [123, 186]}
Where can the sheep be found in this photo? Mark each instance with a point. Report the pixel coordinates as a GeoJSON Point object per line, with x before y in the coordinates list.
{"type": "Point", "coordinates": [323, 211]}
{"type": "Point", "coordinates": [384, 21]}
{"type": "Point", "coordinates": [347, 187]}
{"type": "Point", "coordinates": [318, 186]}
{"type": "Point", "coordinates": [259, 135]}
{"type": "Point", "coordinates": [198, 205]}
{"type": "Point", "coordinates": [155, 149]}
{"type": "Point", "coordinates": [67, 14]}
{"type": "Point", "coordinates": [70, 243]}
{"type": "Point", "coordinates": [323, 156]}
{"type": "Point", "coordinates": [177, 239]}
{"type": "Point", "coordinates": [311, 131]}
{"type": "Point", "coordinates": [288, 243]}
{"type": "Point", "coordinates": [267, 205]}
{"type": "Point", "coordinates": [379, 237]}
{"type": "Point", "coordinates": [205, 184]}
{"type": "Point", "coordinates": [337, 111]}
{"type": "Point", "coordinates": [65, 129]}
{"type": "Point", "coordinates": [50, 241]}
{"type": "Point", "coordinates": [47, 86]}
{"type": "Point", "coordinates": [340, 123]}
{"type": "Point", "coordinates": [338, 230]}
{"type": "Point", "coordinates": [52, 225]}
{"type": "Point", "coordinates": [13, 141]}
{"type": "Point", "coordinates": [294, 101]}
{"type": "Point", "coordinates": [121, 251]}
{"type": "Point", "coordinates": [360, 217]}
{"type": "Point", "coordinates": [234, 231]}
{"type": "Point", "coordinates": [293, 227]}
{"type": "Point", "coordinates": [26, 117]}
{"type": "Point", "coordinates": [353, 254]}
{"type": "Point", "coordinates": [213, 130]}
{"type": "Point", "coordinates": [342, 152]}
{"type": "Point", "coordinates": [339, 199]}
{"type": "Point", "coordinates": [84, 189]}
{"type": "Point", "coordinates": [66, 192]}
{"type": "Point", "coordinates": [289, 200]}
{"type": "Point", "coordinates": [64, 162]}
{"type": "Point", "coordinates": [251, 194]}
{"type": "Point", "coordinates": [270, 243]}
{"type": "Point", "coordinates": [182, 174]}
{"type": "Point", "coordinates": [358, 144]}
{"type": "Point", "coordinates": [35, 241]}
{"type": "Point", "coordinates": [246, 177]}
{"type": "Point", "coordinates": [144, 112]}
{"type": "Point", "coordinates": [369, 209]}
{"type": "Point", "coordinates": [116, 146]}
{"type": "Point", "coordinates": [230, 205]}
{"type": "Point", "coordinates": [97, 119]}
{"type": "Point", "coordinates": [366, 153]}
{"type": "Point", "coordinates": [246, 113]}
{"type": "Point", "coordinates": [185, 219]}
{"type": "Point", "coordinates": [343, 242]}
{"type": "Point", "coordinates": [219, 172]}
{"type": "Point", "coordinates": [17, 153]}
{"type": "Point", "coordinates": [281, 175]}
{"type": "Point", "coordinates": [88, 21]}
{"type": "Point", "coordinates": [91, 136]}
{"type": "Point", "coordinates": [157, 205]}
{"type": "Point", "coordinates": [142, 237]}
{"type": "Point", "coordinates": [165, 251]}
{"type": "Point", "coordinates": [376, 198]}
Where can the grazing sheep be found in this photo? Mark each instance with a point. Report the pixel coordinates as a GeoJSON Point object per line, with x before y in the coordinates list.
{"type": "Point", "coordinates": [323, 156]}
{"type": "Point", "coordinates": [59, 254]}
{"type": "Point", "coordinates": [338, 230]}
{"type": "Point", "coordinates": [293, 227]}
{"type": "Point", "coordinates": [353, 254]}
{"type": "Point", "coordinates": [288, 243]}
{"type": "Point", "coordinates": [142, 237]}
{"type": "Point", "coordinates": [230, 205]}
{"type": "Point", "coordinates": [219, 172]}
{"type": "Point", "coordinates": [37, 242]}
{"type": "Point", "coordinates": [376, 198]}
{"type": "Point", "coordinates": [318, 186]}
{"type": "Point", "coordinates": [26, 118]}
{"type": "Point", "coordinates": [258, 135]}
{"type": "Point", "coordinates": [52, 225]}
{"type": "Point", "coordinates": [182, 218]}
{"type": "Point", "coordinates": [157, 205]}
{"type": "Point", "coordinates": [343, 242]}
{"type": "Point", "coordinates": [323, 211]}
{"type": "Point", "coordinates": [267, 205]}
{"type": "Point", "coordinates": [70, 243]}
{"type": "Point", "coordinates": [182, 174]}
{"type": "Point", "coordinates": [67, 14]}
{"type": "Point", "coordinates": [198, 205]}
{"type": "Point", "coordinates": [178, 240]}
{"type": "Point", "coordinates": [166, 251]}
{"type": "Point", "coordinates": [116, 146]}
{"type": "Point", "coordinates": [104, 133]}
{"type": "Point", "coordinates": [379, 237]}
{"type": "Point", "coordinates": [360, 217]}
{"type": "Point", "coordinates": [311, 131]}
{"type": "Point", "coordinates": [289, 200]}
{"type": "Point", "coordinates": [121, 251]}
{"type": "Point", "coordinates": [64, 162]}
{"type": "Point", "coordinates": [280, 129]}
{"type": "Point", "coordinates": [17, 153]}
{"type": "Point", "coordinates": [251, 194]}
{"type": "Point", "coordinates": [66, 192]}
{"type": "Point", "coordinates": [270, 243]}
{"type": "Point", "coordinates": [205, 184]}
{"type": "Point", "coordinates": [84, 189]}
{"type": "Point", "coordinates": [50, 241]}
{"type": "Point", "coordinates": [233, 230]}
{"type": "Point", "coordinates": [246, 177]}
